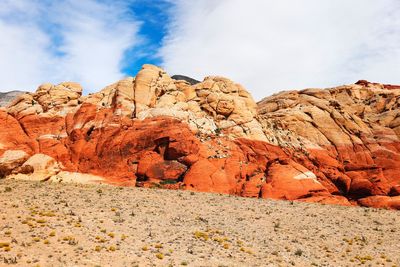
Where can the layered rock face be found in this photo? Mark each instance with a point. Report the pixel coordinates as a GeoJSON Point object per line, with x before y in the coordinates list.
{"type": "Point", "coordinates": [7, 97]}
{"type": "Point", "coordinates": [338, 145]}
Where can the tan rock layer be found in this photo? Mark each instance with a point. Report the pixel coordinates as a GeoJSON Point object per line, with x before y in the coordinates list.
{"type": "Point", "coordinates": [338, 145]}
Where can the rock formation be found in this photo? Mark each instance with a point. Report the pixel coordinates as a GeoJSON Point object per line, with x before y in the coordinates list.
{"type": "Point", "coordinates": [338, 145]}
{"type": "Point", "coordinates": [7, 97]}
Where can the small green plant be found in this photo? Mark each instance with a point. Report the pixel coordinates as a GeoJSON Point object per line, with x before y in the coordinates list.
{"type": "Point", "coordinates": [168, 181]}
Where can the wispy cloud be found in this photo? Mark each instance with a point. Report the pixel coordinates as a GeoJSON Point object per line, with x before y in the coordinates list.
{"type": "Point", "coordinates": [54, 41]}
{"type": "Point", "coordinates": [272, 45]}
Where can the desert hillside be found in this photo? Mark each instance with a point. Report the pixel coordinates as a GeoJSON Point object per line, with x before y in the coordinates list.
{"type": "Point", "coordinates": [58, 224]}
{"type": "Point", "coordinates": [337, 145]}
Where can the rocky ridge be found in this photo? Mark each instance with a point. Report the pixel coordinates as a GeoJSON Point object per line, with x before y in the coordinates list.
{"type": "Point", "coordinates": [339, 145]}
{"type": "Point", "coordinates": [7, 97]}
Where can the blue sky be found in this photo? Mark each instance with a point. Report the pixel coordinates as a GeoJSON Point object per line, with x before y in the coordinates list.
{"type": "Point", "coordinates": [266, 45]}
{"type": "Point", "coordinates": [154, 16]}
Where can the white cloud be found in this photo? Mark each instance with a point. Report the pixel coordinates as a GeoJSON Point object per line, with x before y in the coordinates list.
{"type": "Point", "coordinates": [54, 41]}
{"type": "Point", "coordinates": [270, 45]}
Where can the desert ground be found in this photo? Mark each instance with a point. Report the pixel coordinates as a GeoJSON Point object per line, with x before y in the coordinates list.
{"type": "Point", "coordinates": [54, 224]}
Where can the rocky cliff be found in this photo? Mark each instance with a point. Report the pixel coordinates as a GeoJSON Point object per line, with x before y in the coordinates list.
{"type": "Point", "coordinates": [338, 145]}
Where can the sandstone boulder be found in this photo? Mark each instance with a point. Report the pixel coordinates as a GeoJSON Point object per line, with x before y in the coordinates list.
{"type": "Point", "coordinates": [10, 160]}
{"type": "Point", "coordinates": [381, 202]}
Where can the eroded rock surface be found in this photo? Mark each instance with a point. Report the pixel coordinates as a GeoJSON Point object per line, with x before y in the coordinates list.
{"type": "Point", "coordinates": [339, 145]}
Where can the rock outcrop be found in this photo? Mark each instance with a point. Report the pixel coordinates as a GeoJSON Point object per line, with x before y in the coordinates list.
{"type": "Point", "coordinates": [7, 97]}
{"type": "Point", "coordinates": [338, 146]}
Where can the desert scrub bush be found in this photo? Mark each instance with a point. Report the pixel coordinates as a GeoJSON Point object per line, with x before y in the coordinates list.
{"type": "Point", "coordinates": [111, 234]}
{"type": "Point", "coordinates": [277, 225]}
{"type": "Point", "coordinates": [47, 213]}
{"type": "Point", "coordinates": [248, 251]}
{"type": "Point", "coordinates": [225, 246]}
{"type": "Point", "coordinates": [100, 239]}
{"type": "Point", "coordinates": [158, 246]}
{"type": "Point", "coordinates": [145, 248]}
{"type": "Point", "coordinates": [112, 248]}
{"type": "Point", "coordinates": [52, 233]}
{"type": "Point", "coordinates": [168, 181]}
{"type": "Point", "coordinates": [4, 244]}
{"type": "Point", "coordinates": [41, 221]}
{"type": "Point", "coordinates": [160, 256]}
{"type": "Point", "coordinates": [363, 259]}
{"type": "Point", "coordinates": [155, 186]}
{"type": "Point", "coordinates": [71, 240]}
{"type": "Point", "coordinates": [97, 248]}
{"type": "Point", "coordinates": [218, 239]}
{"type": "Point", "coordinates": [201, 235]}
{"type": "Point", "coordinates": [298, 252]}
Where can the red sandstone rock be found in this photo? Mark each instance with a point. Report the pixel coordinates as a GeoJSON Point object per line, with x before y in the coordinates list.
{"type": "Point", "coordinates": [199, 175]}
{"type": "Point", "coordinates": [291, 181]}
{"type": "Point", "coordinates": [327, 199]}
{"type": "Point", "coordinates": [165, 170]}
{"type": "Point", "coordinates": [381, 202]}
{"type": "Point", "coordinates": [333, 146]}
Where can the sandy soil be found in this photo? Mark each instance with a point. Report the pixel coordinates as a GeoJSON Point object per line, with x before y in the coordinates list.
{"type": "Point", "coordinates": [50, 224]}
